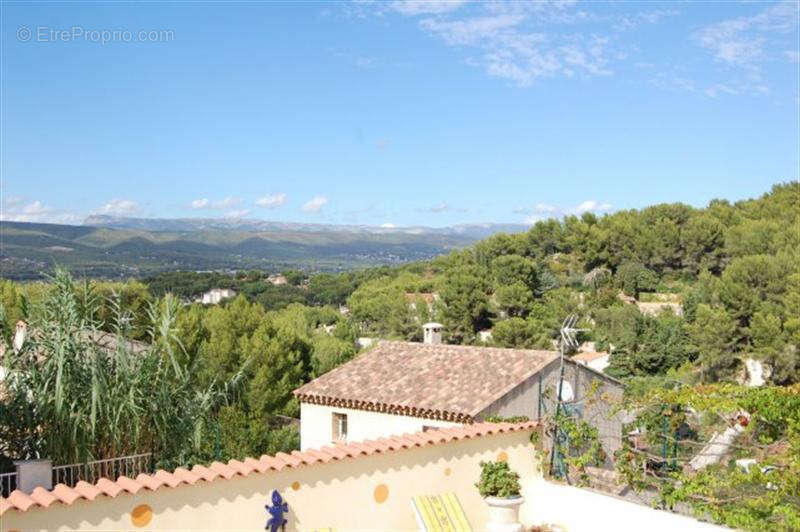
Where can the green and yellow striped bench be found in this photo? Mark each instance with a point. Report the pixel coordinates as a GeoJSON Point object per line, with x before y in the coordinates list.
{"type": "Point", "coordinates": [440, 513]}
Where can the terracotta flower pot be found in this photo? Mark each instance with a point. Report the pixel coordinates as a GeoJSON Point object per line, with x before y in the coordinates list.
{"type": "Point", "coordinates": [504, 514]}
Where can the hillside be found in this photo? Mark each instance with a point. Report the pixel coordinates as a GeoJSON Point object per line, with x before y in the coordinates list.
{"type": "Point", "coordinates": [107, 247]}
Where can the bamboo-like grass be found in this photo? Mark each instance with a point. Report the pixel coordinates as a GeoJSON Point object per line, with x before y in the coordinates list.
{"type": "Point", "coordinates": [71, 400]}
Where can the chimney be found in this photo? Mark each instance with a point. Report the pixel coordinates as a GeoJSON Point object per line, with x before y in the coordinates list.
{"type": "Point", "coordinates": [432, 333]}
{"type": "Point", "coordinates": [32, 474]}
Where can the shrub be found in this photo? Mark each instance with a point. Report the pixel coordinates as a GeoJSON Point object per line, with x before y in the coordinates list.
{"type": "Point", "coordinates": [497, 480]}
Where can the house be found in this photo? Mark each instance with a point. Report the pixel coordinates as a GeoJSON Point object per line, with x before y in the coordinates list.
{"type": "Point", "coordinates": [215, 296]}
{"type": "Point", "coordinates": [277, 279]}
{"type": "Point", "coordinates": [399, 387]}
{"type": "Point", "coordinates": [596, 360]}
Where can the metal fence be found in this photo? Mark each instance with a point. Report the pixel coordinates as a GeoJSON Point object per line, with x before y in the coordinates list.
{"type": "Point", "coordinates": [112, 468]}
{"type": "Point", "coordinates": [8, 483]}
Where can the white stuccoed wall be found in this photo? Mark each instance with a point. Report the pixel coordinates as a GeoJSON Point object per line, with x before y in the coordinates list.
{"type": "Point", "coordinates": [315, 425]}
{"type": "Point", "coordinates": [582, 510]}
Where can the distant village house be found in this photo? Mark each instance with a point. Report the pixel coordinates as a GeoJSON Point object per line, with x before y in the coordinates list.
{"type": "Point", "coordinates": [215, 296]}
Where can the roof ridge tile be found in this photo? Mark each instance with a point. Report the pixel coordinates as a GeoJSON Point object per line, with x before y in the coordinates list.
{"type": "Point", "coordinates": [66, 494]}
{"type": "Point", "coordinates": [128, 484]}
{"type": "Point", "coordinates": [86, 490]}
{"type": "Point", "coordinates": [151, 482]}
{"type": "Point", "coordinates": [42, 497]}
{"type": "Point", "coordinates": [224, 470]}
{"type": "Point", "coordinates": [109, 487]}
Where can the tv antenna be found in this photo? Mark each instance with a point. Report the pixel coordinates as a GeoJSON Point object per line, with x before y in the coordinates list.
{"type": "Point", "coordinates": [569, 340]}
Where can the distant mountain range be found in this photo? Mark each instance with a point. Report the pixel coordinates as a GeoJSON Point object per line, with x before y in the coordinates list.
{"type": "Point", "coordinates": [114, 247]}
{"type": "Point", "coordinates": [476, 231]}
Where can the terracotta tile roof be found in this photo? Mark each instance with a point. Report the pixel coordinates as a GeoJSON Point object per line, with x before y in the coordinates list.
{"type": "Point", "coordinates": [436, 381]}
{"type": "Point", "coordinates": [63, 494]}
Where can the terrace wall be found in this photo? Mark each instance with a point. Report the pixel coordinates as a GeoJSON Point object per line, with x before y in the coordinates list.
{"type": "Point", "coordinates": [365, 492]}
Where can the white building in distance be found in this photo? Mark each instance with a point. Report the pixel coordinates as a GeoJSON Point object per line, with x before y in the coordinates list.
{"type": "Point", "coordinates": [215, 296]}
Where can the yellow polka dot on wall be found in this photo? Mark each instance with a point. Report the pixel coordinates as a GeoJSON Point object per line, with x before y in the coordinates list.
{"type": "Point", "coordinates": [502, 457]}
{"type": "Point", "coordinates": [295, 485]}
{"type": "Point", "coordinates": [141, 515]}
{"type": "Point", "coordinates": [447, 471]}
{"type": "Point", "coordinates": [381, 493]}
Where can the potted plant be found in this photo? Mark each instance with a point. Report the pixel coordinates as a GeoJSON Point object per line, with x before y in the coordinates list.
{"type": "Point", "coordinates": [499, 487]}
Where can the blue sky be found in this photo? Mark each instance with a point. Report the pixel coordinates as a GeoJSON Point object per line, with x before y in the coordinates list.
{"type": "Point", "coordinates": [404, 113]}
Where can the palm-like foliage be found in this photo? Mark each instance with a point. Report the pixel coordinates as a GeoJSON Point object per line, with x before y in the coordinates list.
{"type": "Point", "coordinates": [71, 400]}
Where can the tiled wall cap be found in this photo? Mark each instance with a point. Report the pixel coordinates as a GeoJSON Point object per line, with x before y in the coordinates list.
{"type": "Point", "coordinates": [19, 501]}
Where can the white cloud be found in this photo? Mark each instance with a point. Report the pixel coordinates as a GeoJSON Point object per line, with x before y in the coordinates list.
{"type": "Point", "coordinates": [422, 7]}
{"type": "Point", "coordinates": [591, 58]}
{"type": "Point", "coordinates": [743, 40]}
{"type": "Point", "coordinates": [439, 207]}
{"type": "Point", "coordinates": [35, 212]}
{"type": "Point", "coordinates": [118, 207]}
{"type": "Point", "coordinates": [241, 213]}
{"type": "Point", "coordinates": [12, 201]}
{"type": "Point", "coordinates": [272, 201]}
{"type": "Point", "coordinates": [634, 20]}
{"type": "Point", "coordinates": [591, 206]}
{"type": "Point", "coordinates": [472, 30]}
{"type": "Point", "coordinates": [521, 42]}
{"type": "Point", "coordinates": [226, 203]}
{"type": "Point", "coordinates": [388, 225]}
{"type": "Point", "coordinates": [315, 204]}
{"type": "Point", "coordinates": [750, 84]}
{"type": "Point", "coordinates": [542, 211]}
{"type": "Point", "coordinates": [526, 41]}
{"type": "Point", "coordinates": [719, 88]}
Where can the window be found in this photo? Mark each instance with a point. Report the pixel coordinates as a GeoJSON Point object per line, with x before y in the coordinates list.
{"type": "Point", "coordinates": [339, 430]}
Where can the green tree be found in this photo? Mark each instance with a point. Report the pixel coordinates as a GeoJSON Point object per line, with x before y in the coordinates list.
{"type": "Point", "coordinates": [749, 283]}
{"type": "Point", "coordinates": [520, 333]}
{"type": "Point", "coordinates": [381, 309]}
{"type": "Point", "coordinates": [510, 269]}
{"type": "Point", "coordinates": [703, 240]}
{"type": "Point", "coordinates": [281, 352]}
{"type": "Point", "coordinates": [642, 344]}
{"type": "Point", "coordinates": [514, 299]}
{"type": "Point", "coordinates": [714, 335]}
{"type": "Point", "coordinates": [634, 278]}
{"type": "Point", "coordinates": [329, 352]}
{"type": "Point", "coordinates": [466, 305]}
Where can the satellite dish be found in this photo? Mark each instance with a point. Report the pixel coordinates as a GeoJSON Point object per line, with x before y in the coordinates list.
{"type": "Point", "coordinates": [566, 392]}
